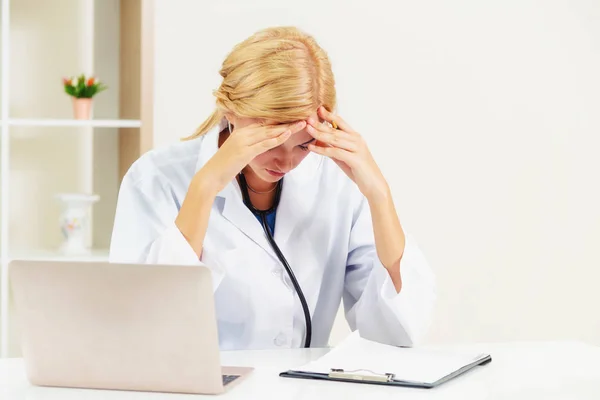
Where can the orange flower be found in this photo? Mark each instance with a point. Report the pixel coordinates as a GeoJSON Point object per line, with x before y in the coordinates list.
{"type": "Point", "coordinates": [91, 81]}
{"type": "Point", "coordinates": [66, 81]}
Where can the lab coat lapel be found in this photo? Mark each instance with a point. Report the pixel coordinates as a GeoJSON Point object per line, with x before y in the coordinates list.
{"type": "Point", "coordinates": [235, 211]}
{"type": "Point", "coordinates": [299, 191]}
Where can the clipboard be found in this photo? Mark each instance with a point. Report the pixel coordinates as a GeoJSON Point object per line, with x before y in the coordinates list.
{"type": "Point", "coordinates": [359, 360]}
{"type": "Point", "coordinates": [387, 378]}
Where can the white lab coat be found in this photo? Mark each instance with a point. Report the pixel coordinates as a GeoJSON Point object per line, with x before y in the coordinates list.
{"type": "Point", "coordinates": [323, 227]}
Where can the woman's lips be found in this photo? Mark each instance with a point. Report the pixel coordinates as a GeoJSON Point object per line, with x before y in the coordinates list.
{"type": "Point", "coordinates": [275, 173]}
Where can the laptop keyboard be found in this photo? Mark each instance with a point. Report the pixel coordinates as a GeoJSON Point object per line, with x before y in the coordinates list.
{"type": "Point", "coordinates": [229, 378]}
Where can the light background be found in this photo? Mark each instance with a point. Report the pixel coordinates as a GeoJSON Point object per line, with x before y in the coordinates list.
{"type": "Point", "coordinates": [483, 115]}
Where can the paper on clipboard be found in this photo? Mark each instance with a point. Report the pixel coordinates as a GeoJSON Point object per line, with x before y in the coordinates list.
{"type": "Point", "coordinates": [363, 357]}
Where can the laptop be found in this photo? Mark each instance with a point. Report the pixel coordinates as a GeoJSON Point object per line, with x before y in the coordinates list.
{"type": "Point", "coordinates": [136, 327]}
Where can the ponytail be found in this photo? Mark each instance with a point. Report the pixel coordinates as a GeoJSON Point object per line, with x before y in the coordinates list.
{"type": "Point", "coordinates": [207, 125]}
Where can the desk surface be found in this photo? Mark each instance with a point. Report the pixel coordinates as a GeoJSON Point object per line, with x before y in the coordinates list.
{"type": "Point", "coordinates": [546, 370]}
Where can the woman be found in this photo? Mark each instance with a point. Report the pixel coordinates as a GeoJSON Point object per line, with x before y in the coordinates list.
{"type": "Point", "coordinates": [274, 177]}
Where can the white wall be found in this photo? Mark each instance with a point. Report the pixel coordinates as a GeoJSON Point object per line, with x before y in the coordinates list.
{"type": "Point", "coordinates": [484, 118]}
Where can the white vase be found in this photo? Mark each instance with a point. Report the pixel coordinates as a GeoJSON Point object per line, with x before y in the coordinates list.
{"type": "Point", "coordinates": [74, 222]}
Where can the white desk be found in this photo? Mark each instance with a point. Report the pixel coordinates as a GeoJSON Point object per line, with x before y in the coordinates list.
{"type": "Point", "coordinates": [549, 371]}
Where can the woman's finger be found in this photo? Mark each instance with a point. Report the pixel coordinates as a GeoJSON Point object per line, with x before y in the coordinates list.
{"type": "Point", "coordinates": [332, 152]}
{"type": "Point", "coordinates": [322, 126]}
{"type": "Point", "coordinates": [269, 142]}
{"type": "Point", "coordinates": [338, 139]}
{"type": "Point", "coordinates": [335, 120]}
{"type": "Point", "coordinates": [274, 131]}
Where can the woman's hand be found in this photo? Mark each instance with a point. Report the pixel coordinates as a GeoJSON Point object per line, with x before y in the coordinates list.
{"type": "Point", "coordinates": [350, 152]}
{"type": "Point", "coordinates": [348, 149]}
{"type": "Point", "coordinates": [239, 149]}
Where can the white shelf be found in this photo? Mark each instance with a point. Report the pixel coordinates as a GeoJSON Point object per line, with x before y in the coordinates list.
{"type": "Point", "coordinates": [94, 123]}
{"type": "Point", "coordinates": [50, 255]}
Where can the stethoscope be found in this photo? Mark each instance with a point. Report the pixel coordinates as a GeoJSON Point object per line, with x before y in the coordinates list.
{"type": "Point", "coordinates": [263, 220]}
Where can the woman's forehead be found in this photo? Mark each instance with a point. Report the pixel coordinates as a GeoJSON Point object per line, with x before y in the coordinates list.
{"type": "Point", "coordinates": [274, 122]}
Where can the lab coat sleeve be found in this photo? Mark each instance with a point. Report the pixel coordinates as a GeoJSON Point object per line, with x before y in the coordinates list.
{"type": "Point", "coordinates": [371, 302]}
{"type": "Point", "coordinates": [144, 230]}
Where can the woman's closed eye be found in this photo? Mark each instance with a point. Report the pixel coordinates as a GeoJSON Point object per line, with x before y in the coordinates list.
{"type": "Point", "coordinates": [304, 146]}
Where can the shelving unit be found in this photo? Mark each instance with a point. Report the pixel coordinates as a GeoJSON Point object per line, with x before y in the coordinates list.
{"type": "Point", "coordinates": [98, 123]}
{"type": "Point", "coordinates": [43, 151]}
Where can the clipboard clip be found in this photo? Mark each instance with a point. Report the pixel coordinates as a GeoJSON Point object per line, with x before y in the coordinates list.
{"type": "Point", "coordinates": [354, 375]}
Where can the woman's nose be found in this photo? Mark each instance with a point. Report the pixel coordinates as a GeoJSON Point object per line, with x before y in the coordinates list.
{"type": "Point", "coordinates": [285, 164]}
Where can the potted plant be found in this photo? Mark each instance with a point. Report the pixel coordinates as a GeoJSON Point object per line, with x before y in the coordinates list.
{"type": "Point", "coordinates": [82, 89]}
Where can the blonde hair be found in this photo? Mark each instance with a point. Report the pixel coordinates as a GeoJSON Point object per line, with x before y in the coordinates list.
{"type": "Point", "coordinates": [278, 74]}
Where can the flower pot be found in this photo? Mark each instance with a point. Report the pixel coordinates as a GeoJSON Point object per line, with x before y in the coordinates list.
{"type": "Point", "coordinates": [82, 108]}
{"type": "Point", "coordinates": [74, 221]}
